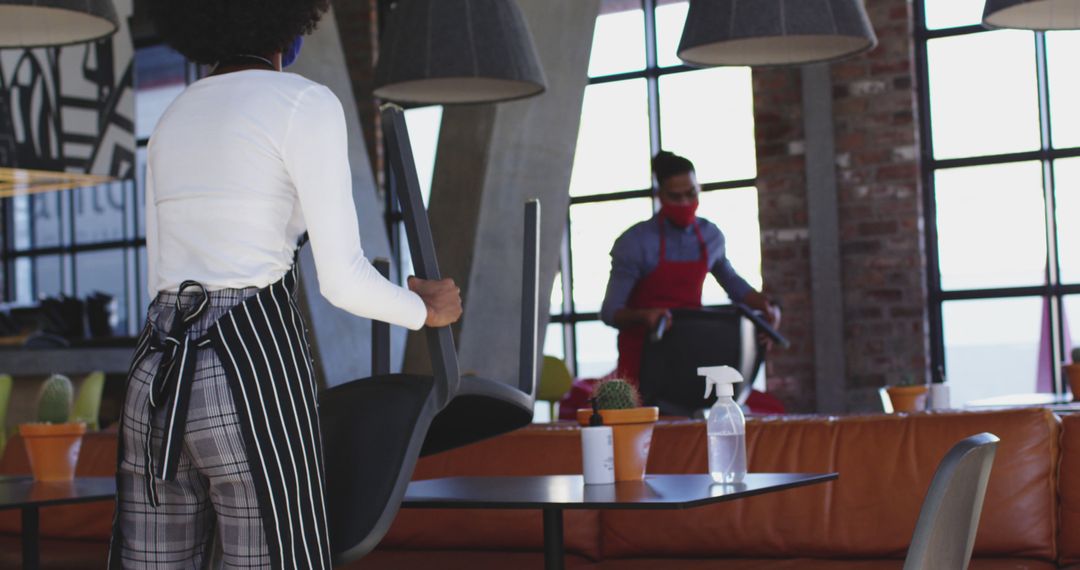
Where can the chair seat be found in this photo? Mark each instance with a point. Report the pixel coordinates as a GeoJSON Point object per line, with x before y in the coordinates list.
{"type": "Point", "coordinates": [373, 430]}
{"type": "Point", "coordinates": [481, 409]}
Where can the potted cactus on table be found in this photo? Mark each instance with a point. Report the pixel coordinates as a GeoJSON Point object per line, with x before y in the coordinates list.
{"type": "Point", "coordinates": [631, 425]}
{"type": "Point", "coordinates": [909, 395]}
{"type": "Point", "coordinates": [53, 442]}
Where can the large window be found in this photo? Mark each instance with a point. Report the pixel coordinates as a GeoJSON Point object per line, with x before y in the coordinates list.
{"type": "Point", "coordinates": [640, 99]}
{"type": "Point", "coordinates": [92, 240]}
{"type": "Point", "coordinates": [1001, 137]}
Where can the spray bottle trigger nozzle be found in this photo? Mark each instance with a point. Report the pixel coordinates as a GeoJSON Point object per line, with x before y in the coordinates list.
{"type": "Point", "coordinates": [720, 378]}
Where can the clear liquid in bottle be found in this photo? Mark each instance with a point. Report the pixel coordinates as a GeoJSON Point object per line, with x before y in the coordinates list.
{"type": "Point", "coordinates": [727, 457]}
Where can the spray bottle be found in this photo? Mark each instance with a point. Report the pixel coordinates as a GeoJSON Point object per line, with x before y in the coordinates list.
{"type": "Point", "coordinates": [726, 426]}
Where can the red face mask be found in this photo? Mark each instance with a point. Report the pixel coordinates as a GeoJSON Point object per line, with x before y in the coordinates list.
{"type": "Point", "coordinates": [681, 215]}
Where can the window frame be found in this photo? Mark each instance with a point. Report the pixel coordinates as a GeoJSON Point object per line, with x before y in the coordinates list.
{"type": "Point", "coordinates": [1053, 289]}
{"type": "Point", "coordinates": [131, 245]}
{"type": "Point", "coordinates": [567, 316]}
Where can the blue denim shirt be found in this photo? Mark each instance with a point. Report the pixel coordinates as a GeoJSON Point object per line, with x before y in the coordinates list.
{"type": "Point", "coordinates": [637, 253]}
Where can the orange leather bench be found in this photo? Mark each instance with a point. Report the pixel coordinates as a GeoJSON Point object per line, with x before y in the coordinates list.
{"type": "Point", "coordinates": [863, 520]}
{"type": "Point", "coordinates": [1031, 516]}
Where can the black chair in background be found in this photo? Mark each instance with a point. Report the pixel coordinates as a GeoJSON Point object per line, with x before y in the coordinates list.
{"type": "Point", "coordinates": [715, 336]}
{"type": "Point", "coordinates": [374, 429]}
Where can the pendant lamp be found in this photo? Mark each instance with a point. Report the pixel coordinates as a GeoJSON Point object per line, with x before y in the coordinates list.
{"type": "Point", "coordinates": [457, 51]}
{"type": "Point", "coordinates": [1032, 14]}
{"type": "Point", "coordinates": [774, 32]}
{"type": "Point", "coordinates": [38, 23]}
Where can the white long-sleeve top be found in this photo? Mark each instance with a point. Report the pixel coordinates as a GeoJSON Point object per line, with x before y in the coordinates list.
{"type": "Point", "coordinates": [239, 165]}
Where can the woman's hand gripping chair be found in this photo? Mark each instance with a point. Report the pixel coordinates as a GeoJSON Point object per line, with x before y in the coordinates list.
{"type": "Point", "coordinates": [374, 429]}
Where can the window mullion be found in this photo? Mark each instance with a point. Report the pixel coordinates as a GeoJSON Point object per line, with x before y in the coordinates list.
{"type": "Point", "coordinates": [933, 268]}
{"type": "Point", "coordinates": [566, 260]}
{"type": "Point", "coordinates": [1053, 275]}
{"type": "Point", "coordinates": [67, 262]}
{"type": "Point", "coordinates": [652, 81]}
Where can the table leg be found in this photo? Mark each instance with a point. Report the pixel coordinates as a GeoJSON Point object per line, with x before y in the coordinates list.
{"type": "Point", "coordinates": [553, 539]}
{"type": "Point", "coordinates": [30, 538]}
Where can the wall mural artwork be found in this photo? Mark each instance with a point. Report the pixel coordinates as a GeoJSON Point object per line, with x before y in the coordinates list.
{"type": "Point", "coordinates": [65, 113]}
{"type": "Point", "coordinates": [71, 109]}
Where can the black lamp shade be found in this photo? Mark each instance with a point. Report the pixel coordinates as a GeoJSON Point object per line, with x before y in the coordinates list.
{"type": "Point", "coordinates": [774, 32]}
{"type": "Point", "coordinates": [1032, 14]}
{"type": "Point", "coordinates": [457, 51]}
{"type": "Point", "coordinates": [36, 23]}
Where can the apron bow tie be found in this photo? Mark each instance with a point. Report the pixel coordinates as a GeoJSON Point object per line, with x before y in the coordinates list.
{"type": "Point", "coordinates": [170, 388]}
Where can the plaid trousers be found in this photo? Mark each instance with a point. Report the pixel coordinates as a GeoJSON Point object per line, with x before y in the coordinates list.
{"type": "Point", "coordinates": [213, 496]}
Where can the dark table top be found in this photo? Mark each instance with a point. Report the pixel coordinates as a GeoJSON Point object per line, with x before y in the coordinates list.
{"type": "Point", "coordinates": [17, 491]}
{"type": "Point", "coordinates": [1062, 403]}
{"type": "Point", "coordinates": [570, 491]}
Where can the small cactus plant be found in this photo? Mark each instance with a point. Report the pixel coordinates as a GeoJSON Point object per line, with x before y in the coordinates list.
{"type": "Point", "coordinates": [616, 395]}
{"type": "Point", "coordinates": [909, 379]}
{"type": "Point", "coordinates": [54, 399]}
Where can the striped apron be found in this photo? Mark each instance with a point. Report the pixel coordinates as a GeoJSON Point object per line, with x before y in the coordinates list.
{"type": "Point", "coordinates": [261, 344]}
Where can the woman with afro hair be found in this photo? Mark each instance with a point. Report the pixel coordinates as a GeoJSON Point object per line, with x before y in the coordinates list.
{"type": "Point", "coordinates": [219, 434]}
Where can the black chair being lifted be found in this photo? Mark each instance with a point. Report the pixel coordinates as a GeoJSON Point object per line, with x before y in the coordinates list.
{"type": "Point", "coordinates": [374, 429]}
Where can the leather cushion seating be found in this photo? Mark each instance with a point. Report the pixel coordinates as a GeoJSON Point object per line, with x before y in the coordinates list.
{"type": "Point", "coordinates": [885, 462]}
{"type": "Point", "coordinates": [862, 520]}
{"type": "Point", "coordinates": [551, 450]}
{"type": "Point", "coordinates": [1069, 490]}
{"type": "Point", "coordinates": [885, 465]}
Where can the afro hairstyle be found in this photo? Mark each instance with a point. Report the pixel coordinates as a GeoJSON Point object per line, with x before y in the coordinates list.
{"type": "Point", "coordinates": [210, 31]}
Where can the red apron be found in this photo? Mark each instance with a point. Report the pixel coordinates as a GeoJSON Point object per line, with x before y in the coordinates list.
{"type": "Point", "coordinates": [672, 285]}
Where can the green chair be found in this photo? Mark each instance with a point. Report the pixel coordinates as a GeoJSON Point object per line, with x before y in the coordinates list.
{"type": "Point", "coordinates": [5, 397]}
{"type": "Point", "coordinates": [88, 401]}
{"type": "Point", "coordinates": [555, 381]}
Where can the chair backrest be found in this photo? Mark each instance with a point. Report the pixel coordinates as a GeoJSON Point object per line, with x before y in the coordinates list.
{"type": "Point", "coordinates": [87, 405]}
{"type": "Point", "coordinates": [530, 300]}
{"type": "Point", "coordinates": [5, 397]}
{"type": "Point", "coordinates": [443, 353]}
{"type": "Point", "coordinates": [444, 363]}
{"type": "Point", "coordinates": [945, 533]}
{"type": "Point", "coordinates": [717, 336]}
{"type": "Point", "coordinates": [886, 401]}
{"type": "Point", "coordinates": [555, 379]}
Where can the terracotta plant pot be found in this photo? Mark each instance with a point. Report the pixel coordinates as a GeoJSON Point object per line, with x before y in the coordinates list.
{"type": "Point", "coordinates": [631, 434]}
{"type": "Point", "coordinates": [1072, 374]}
{"type": "Point", "coordinates": [53, 449]}
{"type": "Point", "coordinates": [908, 398]}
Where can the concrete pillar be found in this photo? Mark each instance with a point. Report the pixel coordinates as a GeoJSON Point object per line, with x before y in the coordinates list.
{"type": "Point", "coordinates": [341, 342]}
{"type": "Point", "coordinates": [491, 159]}
{"type": "Point", "coordinates": [862, 189]}
{"type": "Point", "coordinates": [357, 22]}
{"type": "Point", "coordinates": [826, 279]}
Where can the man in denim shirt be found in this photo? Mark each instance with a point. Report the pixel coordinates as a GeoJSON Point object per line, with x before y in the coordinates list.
{"type": "Point", "coordinates": [661, 264]}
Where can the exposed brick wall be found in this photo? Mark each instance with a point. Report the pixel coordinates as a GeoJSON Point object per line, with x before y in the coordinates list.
{"type": "Point", "coordinates": [785, 251]}
{"type": "Point", "coordinates": [880, 213]}
{"type": "Point", "coordinates": [357, 22]}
